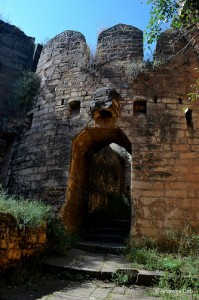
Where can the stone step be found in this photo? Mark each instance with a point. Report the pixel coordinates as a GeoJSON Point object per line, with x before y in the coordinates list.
{"type": "Point", "coordinates": [111, 223]}
{"type": "Point", "coordinates": [101, 247]}
{"type": "Point", "coordinates": [105, 237]}
{"type": "Point", "coordinates": [109, 230]}
{"type": "Point", "coordinates": [99, 265]}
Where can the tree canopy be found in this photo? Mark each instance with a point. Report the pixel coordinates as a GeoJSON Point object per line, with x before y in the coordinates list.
{"type": "Point", "coordinates": [177, 13]}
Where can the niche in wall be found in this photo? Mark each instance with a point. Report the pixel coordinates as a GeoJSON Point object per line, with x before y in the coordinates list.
{"type": "Point", "coordinates": [74, 109]}
{"type": "Point", "coordinates": [188, 116]}
{"type": "Point", "coordinates": [139, 107]}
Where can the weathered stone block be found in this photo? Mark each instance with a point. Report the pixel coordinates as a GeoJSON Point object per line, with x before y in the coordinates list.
{"type": "Point", "coordinates": [14, 254]}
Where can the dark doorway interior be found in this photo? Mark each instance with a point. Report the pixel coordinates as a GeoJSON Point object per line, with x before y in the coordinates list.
{"type": "Point", "coordinates": [91, 196]}
{"type": "Point", "coordinates": [109, 206]}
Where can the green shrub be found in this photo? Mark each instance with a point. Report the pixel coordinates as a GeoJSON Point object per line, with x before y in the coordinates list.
{"type": "Point", "coordinates": [27, 213]}
{"type": "Point", "coordinates": [144, 257]}
{"type": "Point", "coordinates": [25, 89]}
{"type": "Point", "coordinates": [120, 278]}
{"type": "Point", "coordinates": [180, 267]}
{"type": "Point", "coordinates": [59, 241]}
{"type": "Point", "coordinates": [138, 66]}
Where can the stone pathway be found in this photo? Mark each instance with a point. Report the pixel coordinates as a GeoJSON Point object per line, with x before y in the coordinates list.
{"type": "Point", "coordinates": [99, 265]}
{"type": "Point", "coordinates": [99, 290]}
{"type": "Point", "coordinates": [59, 289]}
{"type": "Point", "coordinates": [78, 264]}
{"type": "Point", "coordinates": [55, 285]}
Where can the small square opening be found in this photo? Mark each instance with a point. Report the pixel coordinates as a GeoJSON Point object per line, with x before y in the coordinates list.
{"type": "Point", "coordinates": [139, 107]}
{"type": "Point", "coordinates": [74, 109]}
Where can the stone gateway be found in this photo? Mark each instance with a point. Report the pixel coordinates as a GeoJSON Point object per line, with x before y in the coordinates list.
{"type": "Point", "coordinates": [88, 102]}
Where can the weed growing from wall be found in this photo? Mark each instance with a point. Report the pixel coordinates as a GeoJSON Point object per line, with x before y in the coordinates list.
{"type": "Point", "coordinates": [139, 66]}
{"type": "Point", "coordinates": [136, 67]}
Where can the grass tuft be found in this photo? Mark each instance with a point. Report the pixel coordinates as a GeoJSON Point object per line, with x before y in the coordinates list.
{"type": "Point", "coordinates": [27, 213]}
{"type": "Point", "coordinates": [180, 267]}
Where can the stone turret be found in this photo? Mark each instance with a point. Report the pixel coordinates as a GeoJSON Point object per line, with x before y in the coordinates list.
{"type": "Point", "coordinates": [171, 43]}
{"type": "Point", "coordinates": [120, 43]}
{"type": "Point", "coordinates": [64, 52]}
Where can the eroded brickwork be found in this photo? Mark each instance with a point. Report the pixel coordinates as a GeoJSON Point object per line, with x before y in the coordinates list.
{"type": "Point", "coordinates": [52, 160]}
{"type": "Point", "coordinates": [16, 244]}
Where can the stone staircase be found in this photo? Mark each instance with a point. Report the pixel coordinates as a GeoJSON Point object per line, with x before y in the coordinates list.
{"type": "Point", "coordinates": [101, 255]}
{"type": "Point", "coordinates": [107, 236]}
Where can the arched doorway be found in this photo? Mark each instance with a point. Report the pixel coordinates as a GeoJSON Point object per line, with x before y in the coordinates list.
{"type": "Point", "coordinates": [85, 145]}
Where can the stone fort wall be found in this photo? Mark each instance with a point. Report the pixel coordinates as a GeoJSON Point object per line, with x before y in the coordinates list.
{"type": "Point", "coordinates": [18, 52]}
{"type": "Point", "coordinates": [86, 103]}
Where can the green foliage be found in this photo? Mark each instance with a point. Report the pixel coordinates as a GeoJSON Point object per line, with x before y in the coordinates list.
{"type": "Point", "coordinates": [167, 12]}
{"type": "Point", "coordinates": [180, 274]}
{"type": "Point", "coordinates": [180, 267]}
{"type": "Point", "coordinates": [58, 239]}
{"type": "Point", "coordinates": [144, 257]}
{"type": "Point", "coordinates": [27, 213]}
{"type": "Point", "coordinates": [25, 89]}
{"type": "Point", "coordinates": [194, 94]}
{"type": "Point", "coordinates": [138, 66]}
{"type": "Point", "coordinates": [161, 12]}
{"type": "Point", "coordinates": [120, 278]}
{"type": "Point", "coordinates": [158, 63]}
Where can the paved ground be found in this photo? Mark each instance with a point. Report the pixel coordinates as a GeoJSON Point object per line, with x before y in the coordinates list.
{"type": "Point", "coordinates": [77, 259]}
{"type": "Point", "coordinates": [101, 266]}
{"type": "Point", "coordinates": [49, 288]}
{"type": "Point", "coordinates": [78, 264]}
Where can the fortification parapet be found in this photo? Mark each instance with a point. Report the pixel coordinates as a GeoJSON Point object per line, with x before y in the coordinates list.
{"type": "Point", "coordinates": [66, 51]}
{"type": "Point", "coordinates": [120, 43]}
{"type": "Point", "coordinates": [171, 43]}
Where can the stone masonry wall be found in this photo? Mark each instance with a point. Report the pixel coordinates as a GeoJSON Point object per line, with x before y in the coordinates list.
{"type": "Point", "coordinates": [52, 159]}
{"type": "Point", "coordinates": [17, 52]}
{"type": "Point", "coordinates": [17, 244]}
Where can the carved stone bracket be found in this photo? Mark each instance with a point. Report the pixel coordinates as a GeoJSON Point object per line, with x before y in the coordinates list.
{"type": "Point", "coordinates": [105, 104]}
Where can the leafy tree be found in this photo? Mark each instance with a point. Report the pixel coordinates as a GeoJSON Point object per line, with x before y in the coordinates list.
{"type": "Point", "coordinates": [178, 13]}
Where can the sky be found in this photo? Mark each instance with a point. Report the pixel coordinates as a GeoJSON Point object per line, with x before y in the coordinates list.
{"type": "Point", "coordinates": [44, 19]}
